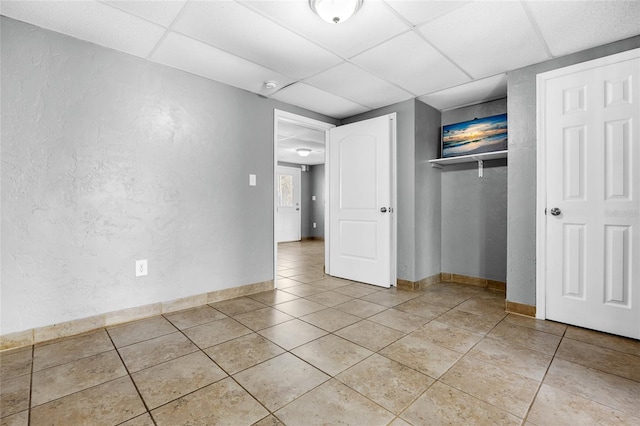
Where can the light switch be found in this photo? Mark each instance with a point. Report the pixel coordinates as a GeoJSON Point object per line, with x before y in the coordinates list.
{"type": "Point", "coordinates": [313, 198]}
{"type": "Point", "coordinates": [252, 180]}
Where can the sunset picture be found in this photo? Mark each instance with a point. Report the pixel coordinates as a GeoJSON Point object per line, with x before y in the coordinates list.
{"type": "Point", "coordinates": [475, 136]}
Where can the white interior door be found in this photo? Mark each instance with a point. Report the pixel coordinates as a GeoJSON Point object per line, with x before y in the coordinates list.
{"type": "Point", "coordinates": [361, 201]}
{"type": "Point", "coordinates": [288, 203]}
{"type": "Point", "coordinates": [591, 116]}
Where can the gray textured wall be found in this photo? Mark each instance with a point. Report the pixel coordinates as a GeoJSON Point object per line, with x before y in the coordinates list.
{"type": "Point", "coordinates": [108, 158]}
{"type": "Point", "coordinates": [405, 210]}
{"type": "Point", "coordinates": [521, 187]}
{"type": "Point", "coordinates": [474, 209]}
{"type": "Point", "coordinates": [427, 193]}
{"type": "Point", "coordinates": [317, 206]}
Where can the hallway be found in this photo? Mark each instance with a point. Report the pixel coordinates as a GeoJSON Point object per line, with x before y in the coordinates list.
{"type": "Point", "coordinates": [321, 350]}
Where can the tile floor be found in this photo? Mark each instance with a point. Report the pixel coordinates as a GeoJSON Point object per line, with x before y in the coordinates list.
{"type": "Point", "coordinates": [327, 351]}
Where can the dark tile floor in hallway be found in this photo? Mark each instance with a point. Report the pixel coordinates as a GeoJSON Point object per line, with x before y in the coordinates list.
{"type": "Point", "coordinates": [321, 350]}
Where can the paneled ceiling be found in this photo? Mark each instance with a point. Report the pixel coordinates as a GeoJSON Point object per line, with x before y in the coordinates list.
{"type": "Point", "coordinates": [446, 53]}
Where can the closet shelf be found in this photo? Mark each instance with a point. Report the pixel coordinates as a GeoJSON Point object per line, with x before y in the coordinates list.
{"type": "Point", "coordinates": [480, 158]}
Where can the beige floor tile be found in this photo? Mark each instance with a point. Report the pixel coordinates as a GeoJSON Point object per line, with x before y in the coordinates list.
{"type": "Point", "coordinates": [471, 322]}
{"type": "Point", "coordinates": [288, 273]}
{"type": "Point", "coordinates": [18, 419]}
{"type": "Point", "coordinates": [331, 354]}
{"type": "Point", "coordinates": [609, 341]}
{"type": "Point", "coordinates": [331, 404]}
{"type": "Point", "coordinates": [421, 306]}
{"type": "Point", "coordinates": [244, 352]}
{"type": "Point", "coordinates": [134, 332]}
{"type": "Point", "coordinates": [613, 391]}
{"type": "Point", "coordinates": [155, 351]}
{"type": "Point", "coordinates": [110, 403]}
{"type": "Point", "coordinates": [360, 308]}
{"type": "Point", "coordinates": [273, 297]}
{"type": "Point", "coordinates": [399, 320]}
{"type": "Point", "coordinates": [329, 298]}
{"type": "Point", "coordinates": [330, 283]}
{"type": "Point", "coordinates": [517, 359]}
{"type": "Point", "coordinates": [262, 318]}
{"type": "Point", "coordinates": [444, 405]}
{"type": "Point", "coordinates": [143, 420]}
{"type": "Point", "coordinates": [445, 335]}
{"type": "Point", "coordinates": [280, 380]}
{"type": "Point", "coordinates": [196, 316]}
{"type": "Point", "coordinates": [386, 382]}
{"type": "Point", "coordinates": [357, 290]}
{"type": "Point", "coordinates": [238, 306]}
{"type": "Point", "coordinates": [71, 349]}
{"type": "Point", "coordinates": [481, 306]}
{"type": "Point", "coordinates": [303, 290]}
{"type": "Point", "coordinates": [221, 403]}
{"type": "Point", "coordinates": [299, 307]}
{"type": "Point", "coordinates": [14, 395]}
{"type": "Point", "coordinates": [389, 299]}
{"type": "Point", "coordinates": [286, 283]}
{"type": "Point", "coordinates": [292, 333]}
{"type": "Point", "coordinates": [599, 358]}
{"type": "Point", "coordinates": [430, 359]}
{"type": "Point", "coordinates": [444, 298]}
{"type": "Point", "coordinates": [536, 324]}
{"type": "Point", "coordinates": [526, 337]}
{"type": "Point", "coordinates": [369, 334]}
{"type": "Point", "coordinates": [330, 319]}
{"type": "Point", "coordinates": [15, 363]}
{"type": "Point", "coordinates": [308, 276]}
{"type": "Point", "coordinates": [65, 379]}
{"type": "Point", "coordinates": [399, 422]}
{"type": "Point", "coordinates": [270, 420]}
{"type": "Point", "coordinates": [556, 407]}
{"type": "Point", "coordinates": [171, 380]}
{"type": "Point", "coordinates": [216, 332]}
{"type": "Point", "coordinates": [503, 389]}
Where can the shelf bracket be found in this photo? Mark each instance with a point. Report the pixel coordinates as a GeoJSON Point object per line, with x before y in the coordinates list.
{"type": "Point", "coordinates": [480, 168]}
{"type": "Point", "coordinates": [437, 166]}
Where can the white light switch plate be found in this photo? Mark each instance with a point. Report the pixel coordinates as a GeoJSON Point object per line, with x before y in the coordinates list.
{"type": "Point", "coordinates": [252, 180]}
{"type": "Point", "coordinates": [141, 268]}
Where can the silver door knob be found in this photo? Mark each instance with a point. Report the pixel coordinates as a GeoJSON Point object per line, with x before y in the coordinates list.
{"type": "Point", "coordinates": [383, 209]}
{"type": "Point", "coordinates": [555, 211]}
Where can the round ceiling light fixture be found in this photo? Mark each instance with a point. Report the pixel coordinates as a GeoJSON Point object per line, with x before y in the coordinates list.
{"type": "Point", "coordinates": [335, 11]}
{"type": "Point", "coordinates": [303, 152]}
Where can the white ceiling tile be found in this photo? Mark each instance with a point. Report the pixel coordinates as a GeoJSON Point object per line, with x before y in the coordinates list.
{"type": "Point", "coordinates": [355, 84]}
{"type": "Point", "coordinates": [571, 26]}
{"type": "Point", "coordinates": [235, 28]}
{"type": "Point", "coordinates": [91, 21]}
{"type": "Point", "coordinates": [159, 11]}
{"type": "Point", "coordinates": [487, 38]}
{"type": "Point", "coordinates": [420, 12]}
{"type": "Point", "coordinates": [487, 89]}
{"type": "Point", "coordinates": [371, 25]}
{"type": "Point", "coordinates": [190, 55]}
{"type": "Point", "coordinates": [314, 99]}
{"type": "Point", "coordinates": [411, 63]}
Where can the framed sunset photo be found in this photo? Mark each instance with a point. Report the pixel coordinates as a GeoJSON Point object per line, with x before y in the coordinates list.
{"type": "Point", "coordinates": [477, 136]}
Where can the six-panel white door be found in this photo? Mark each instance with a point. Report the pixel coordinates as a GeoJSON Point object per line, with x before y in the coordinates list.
{"type": "Point", "coordinates": [288, 189]}
{"type": "Point", "coordinates": [592, 121]}
{"type": "Point", "coordinates": [360, 201]}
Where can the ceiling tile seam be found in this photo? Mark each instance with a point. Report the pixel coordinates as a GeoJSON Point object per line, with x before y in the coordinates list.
{"type": "Point", "coordinates": [116, 7]}
{"type": "Point", "coordinates": [287, 28]}
{"type": "Point", "coordinates": [339, 96]}
{"type": "Point", "coordinates": [431, 19]}
{"type": "Point", "coordinates": [397, 86]}
{"type": "Point", "coordinates": [398, 15]}
{"type": "Point", "coordinates": [536, 29]}
{"type": "Point", "coordinates": [437, 49]}
{"type": "Point", "coordinates": [169, 29]}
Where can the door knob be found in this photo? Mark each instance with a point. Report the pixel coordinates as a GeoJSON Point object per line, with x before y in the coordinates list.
{"type": "Point", "coordinates": [555, 211]}
{"type": "Point", "coordinates": [383, 209]}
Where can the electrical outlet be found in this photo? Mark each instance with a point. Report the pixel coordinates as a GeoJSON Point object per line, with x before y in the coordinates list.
{"type": "Point", "coordinates": [141, 268]}
{"type": "Point", "coordinates": [314, 224]}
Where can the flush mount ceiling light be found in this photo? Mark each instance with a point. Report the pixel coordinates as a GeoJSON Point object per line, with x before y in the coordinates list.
{"type": "Point", "coordinates": [303, 152]}
{"type": "Point", "coordinates": [335, 11]}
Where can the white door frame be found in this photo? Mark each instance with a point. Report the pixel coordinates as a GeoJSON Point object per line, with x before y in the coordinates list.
{"type": "Point", "coordinates": [307, 122]}
{"type": "Point", "coordinates": [541, 181]}
{"type": "Point", "coordinates": [394, 202]}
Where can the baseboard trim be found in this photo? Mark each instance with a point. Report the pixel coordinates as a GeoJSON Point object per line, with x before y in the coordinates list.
{"type": "Point", "coordinates": [83, 325]}
{"type": "Point", "coordinates": [448, 277]}
{"type": "Point", "coordinates": [418, 285]}
{"type": "Point", "coordinates": [312, 238]}
{"type": "Point", "coordinates": [520, 309]}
